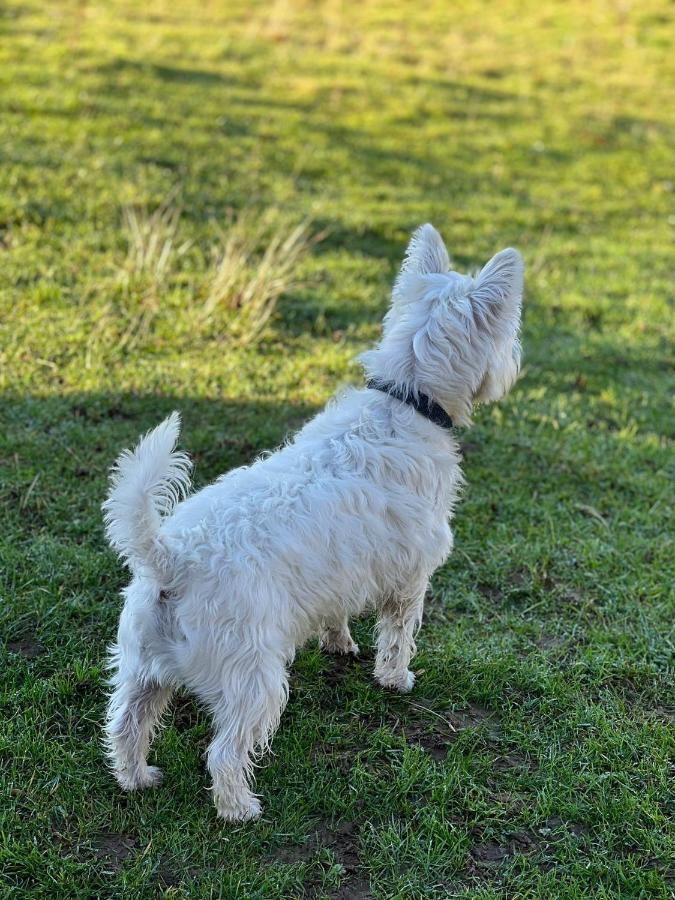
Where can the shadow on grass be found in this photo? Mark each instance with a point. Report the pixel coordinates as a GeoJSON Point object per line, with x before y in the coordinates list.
{"type": "Point", "coordinates": [239, 427]}
{"type": "Point", "coordinates": [165, 74]}
{"type": "Point", "coordinates": [222, 105]}
{"type": "Point", "coordinates": [55, 452]}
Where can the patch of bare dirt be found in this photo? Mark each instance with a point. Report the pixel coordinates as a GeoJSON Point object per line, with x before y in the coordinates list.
{"type": "Point", "coordinates": [549, 641]}
{"type": "Point", "coordinates": [186, 714]}
{"type": "Point", "coordinates": [490, 592]}
{"type": "Point", "coordinates": [166, 877]}
{"type": "Point", "coordinates": [517, 583]}
{"type": "Point", "coordinates": [114, 848]}
{"type": "Point", "coordinates": [28, 647]}
{"type": "Point", "coordinates": [473, 716]}
{"type": "Point", "coordinates": [342, 841]}
{"type": "Point", "coordinates": [514, 761]}
{"type": "Point", "coordinates": [434, 732]}
{"type": "Point", "coordinates": [487, 853]}
{"type": "Point", "coordinates": [433, 741]}
{"type": "Point", "coordinates": [490, 854]}
{"type": "Point", "coordinates": [665, 714]}
{"type": "Point", "coordinates": [487, 856]}
{"type": "Point", "coordinates": [342, 665]}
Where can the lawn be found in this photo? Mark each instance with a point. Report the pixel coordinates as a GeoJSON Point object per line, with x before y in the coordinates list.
{"type": "Point", "coordinates": [531, 760]}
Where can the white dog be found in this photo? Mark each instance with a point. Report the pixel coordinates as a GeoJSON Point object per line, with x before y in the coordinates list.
{"type": "Point", "coordinates": [352, 513]}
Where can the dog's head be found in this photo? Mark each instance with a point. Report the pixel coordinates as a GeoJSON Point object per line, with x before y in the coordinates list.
{"type": "Point", "coordinates": [451, 336]}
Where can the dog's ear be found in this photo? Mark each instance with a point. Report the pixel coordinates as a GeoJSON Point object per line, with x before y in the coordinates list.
{"type": "Point", "coordinates": [497, 291]}
{"type": "Point", "coordinates": [426, 253]}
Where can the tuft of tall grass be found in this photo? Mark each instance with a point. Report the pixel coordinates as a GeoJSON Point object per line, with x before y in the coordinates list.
{"type": "Point", "coordinates": [255, 264]}
{"type": "Point", "coordinates": [153, 250]}
{"type": "Point", "coordinates": [152, 244]}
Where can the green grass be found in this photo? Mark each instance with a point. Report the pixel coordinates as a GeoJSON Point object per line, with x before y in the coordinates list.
{"type": "Point", "coordinates": [532, 758]}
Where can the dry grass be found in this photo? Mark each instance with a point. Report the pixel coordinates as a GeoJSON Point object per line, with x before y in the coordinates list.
{"type": "Point", "coordinates": [247, 282]}
{"type": "Point", "coordinates": [153, 250]}
{"type": "Point", "coordinates": [153, 245]}
{"type": "Point", "coordinates": [252, 264]}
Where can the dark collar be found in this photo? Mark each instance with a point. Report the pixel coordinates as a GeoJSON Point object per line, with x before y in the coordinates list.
{"type": "Point", "coordinates": [422, 403]}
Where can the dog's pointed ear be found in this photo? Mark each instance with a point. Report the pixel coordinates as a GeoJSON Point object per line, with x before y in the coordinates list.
{"type": "Point", "coordinates": [426, 253]}
{"type": "Point", "coordinates": [497, 290]}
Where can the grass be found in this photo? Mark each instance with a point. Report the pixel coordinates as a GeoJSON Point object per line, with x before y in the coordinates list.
{"type": "Point", "coordinates": [532, 758]}
{"type": "Point", "coordinates": [251, 285]}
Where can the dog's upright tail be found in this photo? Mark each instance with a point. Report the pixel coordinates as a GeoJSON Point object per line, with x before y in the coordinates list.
{"type": "Point", "coordinates": [146, 484]}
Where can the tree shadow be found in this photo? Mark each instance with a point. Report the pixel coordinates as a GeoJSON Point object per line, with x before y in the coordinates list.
{"type": "Point", "coordinates": [364, 241]}
{"type": "Point", "coordinates": [372, 159]}
{"type": "Point", "coordinates": [167, 74]}
{"type": "Point", "coordinates": [56, 451]}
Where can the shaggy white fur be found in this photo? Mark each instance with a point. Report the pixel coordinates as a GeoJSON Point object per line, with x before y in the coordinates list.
{"type": "Point", "coordinates": [352, 513]}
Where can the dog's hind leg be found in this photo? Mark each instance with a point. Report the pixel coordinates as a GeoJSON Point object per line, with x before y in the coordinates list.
{"type": "Point", "coordinates": [336, 638]}
{"type": "Point", "coordinates": [134, 711]}
{"type": "Point", "coordinates": [399, 618]}
{"type": "Point", "coordinates": [141, 685]}
{"type": "Point", "coordinates": [246, 713]}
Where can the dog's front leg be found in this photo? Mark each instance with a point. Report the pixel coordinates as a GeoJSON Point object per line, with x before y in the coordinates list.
{"type": "Point", "coordinates": [399, 618]}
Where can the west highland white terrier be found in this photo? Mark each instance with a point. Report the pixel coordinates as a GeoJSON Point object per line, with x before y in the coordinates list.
{"type": "Point", "coordinates": [352, 514]}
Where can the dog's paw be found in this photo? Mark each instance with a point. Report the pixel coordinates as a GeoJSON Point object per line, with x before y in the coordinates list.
{"type": "Point", "coordinates": [332, 642]}
{"type": "Point", "coordinates": [140, 779]}
{"type": "Point", "coordinates": [247, 810]}
{"type": "Point", "coordinates": [401, 682]}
